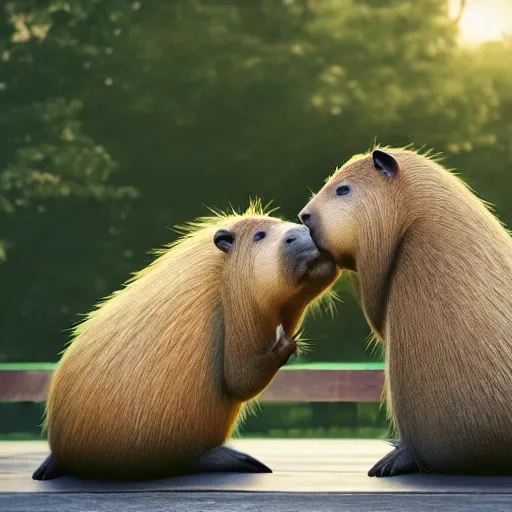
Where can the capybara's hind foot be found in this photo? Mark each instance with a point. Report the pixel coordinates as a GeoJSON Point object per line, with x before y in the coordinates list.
{"type": "Point", "coordinates": [226, 460]}
{"type": "Point", "coordinates": [398, 462]}
{"type": "Point", "coordinates": [48, 470]}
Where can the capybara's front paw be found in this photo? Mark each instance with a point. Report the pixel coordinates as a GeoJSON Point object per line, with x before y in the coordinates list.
{"type": "Point", "coordinates": [283, 347]}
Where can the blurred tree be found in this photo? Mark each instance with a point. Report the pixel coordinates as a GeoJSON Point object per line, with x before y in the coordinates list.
{"type": "Point", "coordinates": [46, 49]}
{"type": "Point", "coordinates": [206, 102]}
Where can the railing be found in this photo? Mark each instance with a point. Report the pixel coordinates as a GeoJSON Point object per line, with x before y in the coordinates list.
{"type": "Point", "coordinates": [314, 382]}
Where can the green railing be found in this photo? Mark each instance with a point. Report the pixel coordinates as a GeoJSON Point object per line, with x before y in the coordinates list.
{"type": "Point", "coordinates": [309, 382]}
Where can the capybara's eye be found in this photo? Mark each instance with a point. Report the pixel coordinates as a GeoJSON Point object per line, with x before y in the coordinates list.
{"type": "Point", "coordinates": [343, 190]}
{"type": "Point", "coordinates": [260, 235]}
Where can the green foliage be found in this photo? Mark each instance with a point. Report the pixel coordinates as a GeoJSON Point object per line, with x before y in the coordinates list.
{"type": "Point", "coordinates": [56, 160]}
{"type": "Point", "coordinates": [46, 49]}
{"type": "Point", "coordinates": [200, 102]}
{"type": "Point", "coordinates": [316, 420]}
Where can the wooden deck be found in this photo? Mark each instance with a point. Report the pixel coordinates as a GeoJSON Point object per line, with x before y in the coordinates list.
{"type": "Point", "coordinates": [309, 475]}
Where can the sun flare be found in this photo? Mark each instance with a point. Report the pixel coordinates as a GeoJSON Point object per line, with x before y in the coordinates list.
{"type": "Point", "coordinates": [483, 20]}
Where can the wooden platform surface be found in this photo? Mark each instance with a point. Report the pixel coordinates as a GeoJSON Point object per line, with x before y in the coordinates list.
{"type": "Point", "coordinates": [316, 475]}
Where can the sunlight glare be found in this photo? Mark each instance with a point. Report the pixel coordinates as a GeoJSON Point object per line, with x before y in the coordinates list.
{"type": "Point", "coordinates": [483, 20]}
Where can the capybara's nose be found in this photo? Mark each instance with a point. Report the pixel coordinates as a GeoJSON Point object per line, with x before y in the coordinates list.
{"type": "Point", "coordinates": [296, 235]}
{"type": "Point", "coordinates": [305, 218]}
{"type": "Point", "coordinates": [298, 241]}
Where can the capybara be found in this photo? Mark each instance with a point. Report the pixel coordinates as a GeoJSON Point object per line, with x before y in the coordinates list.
{"type": "Point", "coordinates": [156, 377]}
{"type": "Point", "coordinates": [434, 272]}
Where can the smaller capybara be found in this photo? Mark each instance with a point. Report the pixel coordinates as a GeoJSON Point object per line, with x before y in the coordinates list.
{"type": "Point", "coordinates": [155, 379]}
{"type": "Point", "coordinates": [434, 272]}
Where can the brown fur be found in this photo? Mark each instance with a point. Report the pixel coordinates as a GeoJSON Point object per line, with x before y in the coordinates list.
{"type": "Point", "coordinates": [435, 281]}
{"type": "Point", "coordinates": [157, 375]}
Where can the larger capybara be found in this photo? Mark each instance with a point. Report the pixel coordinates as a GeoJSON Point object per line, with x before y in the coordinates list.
{"type": "Point", "coordinates": [155, 378]}
{"type": "Point", "coordinates": [434, 272]}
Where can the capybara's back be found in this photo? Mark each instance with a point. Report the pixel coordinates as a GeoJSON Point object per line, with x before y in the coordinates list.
{"type": "Point", "coordinates": [127, 394]}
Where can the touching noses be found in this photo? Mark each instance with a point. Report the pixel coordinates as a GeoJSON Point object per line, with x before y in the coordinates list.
{"type": "Point", "coordinates": [298, 241]}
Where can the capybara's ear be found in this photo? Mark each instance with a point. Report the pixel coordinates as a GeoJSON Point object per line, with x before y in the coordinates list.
{"type": "Point", "coordinates": [385, 163]}
{"type": "Point", "coordinates": [224, 240]}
